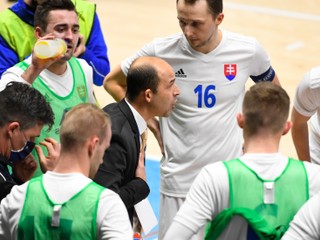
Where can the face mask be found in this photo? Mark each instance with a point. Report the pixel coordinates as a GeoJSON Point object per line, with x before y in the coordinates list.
{"type": "Point", "coordinates": [18, 155]}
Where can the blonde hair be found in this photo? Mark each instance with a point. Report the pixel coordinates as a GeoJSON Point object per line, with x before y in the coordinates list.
{"type": "Point", "coordinates": [265, 107]}
{"type": "Point", "coordinates": [82, 122]}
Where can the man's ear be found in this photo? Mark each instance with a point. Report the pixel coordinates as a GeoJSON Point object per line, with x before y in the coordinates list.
{"type": "Point", "coordinates": [287, 127]}
{"type": "Point", "coordinates": [92, 143]}
{"type": "Point", "coordinates": [219, 18]}
{"type": "Point", "coordinates": [148, 95]}
{"type": "Point", "coordinates": [11, 127]}
{"type": "Point", "coordinates": [240, 120]}
{"type": "Point", "coordinates": [38, 32]}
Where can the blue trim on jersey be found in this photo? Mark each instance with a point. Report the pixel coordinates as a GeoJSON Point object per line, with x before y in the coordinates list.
{"type": "Point", "coordinates": [96, 48]}
{"type": "Point", "coordinates": [96, 53]}
{"type": "Point", "coordinates": [267, 76]}
{"type": "Point", "coordinates": [8, 57]}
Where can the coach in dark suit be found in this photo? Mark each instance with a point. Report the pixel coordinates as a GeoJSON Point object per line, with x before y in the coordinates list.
{"type": "Point", "coordinates": [151, 91]}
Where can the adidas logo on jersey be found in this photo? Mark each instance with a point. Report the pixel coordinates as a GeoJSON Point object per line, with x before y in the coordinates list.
{"type": "Point", "coordinates": [180, 74]}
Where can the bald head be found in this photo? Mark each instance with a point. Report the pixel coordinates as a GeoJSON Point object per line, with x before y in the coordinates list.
{"type": "Point", "coordinates": [146, 73]}
{"type": "Point", "coordinates": [151, 87]}
{"type": "Point", "coordinates": [148, 60]}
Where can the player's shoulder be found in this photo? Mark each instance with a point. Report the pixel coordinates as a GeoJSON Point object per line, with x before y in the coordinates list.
{"type": "Point", "coordinates": [6, 12]}
{"type": "Point", "coordinates": [216, 168]}
{"type": "Point", "coordinates": [84, 65]}
{"type": "Point", "coordinates": [18, 191]}
{"type": "Point", "coordinates": [10, 13]}
{"type": "Point", "coordinates": [238, 37]}
{"type": "Point", "coordinates": [119, 116]}
{"type": "Point", "coordinates": [312, 168]}
{"type": "Point", "coordinates": [312, 78]}
{"type": "Point", "coordinates": [82, 61]}
{"type": "Point", "coordinates": [315, 73]}
{"type": "Point", "coordinates": [169, 39]}
{"type": "Point", "coordinates": [81, 5]}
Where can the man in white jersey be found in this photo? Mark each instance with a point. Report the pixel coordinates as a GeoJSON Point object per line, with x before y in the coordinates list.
{"type": "Point", "coordinates": [65, 203]}
{"type": "Point", "coordinates": [306, 222]}
{"type": "Point", "coordinates": [65, 81]}
{"type": "Point", "coordinates": [306, 106]}
{"type": "Point", "coordinates": [263, 186]}
{"type": "Point", "coordinates": [212, 67]}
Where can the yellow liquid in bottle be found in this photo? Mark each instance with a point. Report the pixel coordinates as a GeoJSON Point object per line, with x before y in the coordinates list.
{"type": "Point", "coordinates": [50, 48]}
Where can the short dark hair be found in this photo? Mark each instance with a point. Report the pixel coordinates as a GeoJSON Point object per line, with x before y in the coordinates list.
{"type": "Point", "coordinates": [45, 7]}
{"type": "Point", "coordinates": [21, 103]}
{"type": "Point", "coordinates": [214, 6]}
{"type": "Point", "coordinates": [141, 78]}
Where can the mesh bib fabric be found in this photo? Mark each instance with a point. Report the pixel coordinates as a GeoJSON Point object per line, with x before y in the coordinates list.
{"type": "Point", "coordinates": [60, 105]}
{"type": "Point", "coordinates": [77, 216]}
{"type": "Point", "coordinates": [248, 196]}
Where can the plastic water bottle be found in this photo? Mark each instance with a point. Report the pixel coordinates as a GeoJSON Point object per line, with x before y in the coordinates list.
{"type": "Point", "coordinates": [50, 48]}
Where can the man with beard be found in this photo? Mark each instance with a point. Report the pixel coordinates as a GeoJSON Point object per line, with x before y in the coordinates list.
{"type": "Point", "coordinates": [65, 81]}
{"type": "Point", "coordinates": [17, 37]}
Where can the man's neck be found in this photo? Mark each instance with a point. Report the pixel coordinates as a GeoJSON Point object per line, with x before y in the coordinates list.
{"type": "Point", "coordinates": [262, 145]}
{"type": "Point", "coordinates": [139, 108]}
{"type": "Point", "coordinates": [58, 68]}
{"type": "Point", "coordinates": [73, 163]}
{"type": "Point", "coordinates": [212, 44]}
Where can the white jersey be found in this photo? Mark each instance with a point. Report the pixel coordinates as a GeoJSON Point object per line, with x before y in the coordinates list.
{"type": "Point", "coordinates": [209, 194]}
{"type": "Point", "coordinates": [61, 85]}
{"type": "Point", "coordinates": [306, 223]}
{"type": "Point", "coordinates": [202, 128]}
{"type": "Point", "coordinates": [112, 219]}
{"type": "Point", "coordinates": [307, 103]}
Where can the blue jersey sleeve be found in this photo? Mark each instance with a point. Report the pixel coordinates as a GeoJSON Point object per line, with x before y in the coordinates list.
{"type": "Point", "coordinates": [96, 54]}
{"type": "Point", "coordinates": [8, 57]}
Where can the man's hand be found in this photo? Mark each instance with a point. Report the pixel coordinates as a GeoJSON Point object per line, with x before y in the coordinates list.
{"type": "Point", "coordinates": [38, 65]}
{"type": "Point", "coordinates": [24, 170]}
{"type": "Point", "coordinates": [81, 47]}
{"type": "Point", "coordinates": [48, 162]}
{"type": "Point", "coordinates": [141, 170]}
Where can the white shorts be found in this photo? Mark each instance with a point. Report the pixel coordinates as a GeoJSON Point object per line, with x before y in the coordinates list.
{"type": "Point", "coordinates": [169, 206]}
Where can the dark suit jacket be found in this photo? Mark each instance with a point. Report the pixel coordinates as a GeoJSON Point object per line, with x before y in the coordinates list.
{"type": "Point", "coordinates": [6, 180]}
{"type": "Point", "coordinates": [117, 172]}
